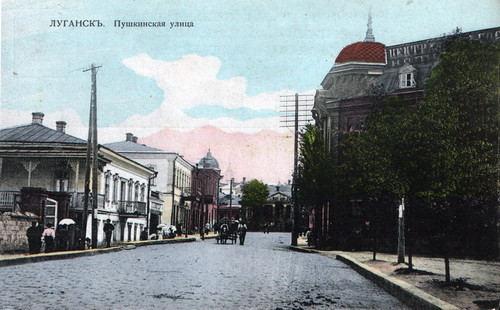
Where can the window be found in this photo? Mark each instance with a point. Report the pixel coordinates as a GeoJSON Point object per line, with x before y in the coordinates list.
{"type": "Point", "coordinates": [115, 187]}
{"type": "Point", "coordinates": [130, 190]}
{"type": "Point", "coordinates": [136, 191]}
{"type": "Point", "coordinates": [407, 76]}
{"type": "Point", "coordinates": [61, 181]}
{"type": "Point", "coordinates": [107, 181]}
{"type": "Point", "coordinates": [143, 191]}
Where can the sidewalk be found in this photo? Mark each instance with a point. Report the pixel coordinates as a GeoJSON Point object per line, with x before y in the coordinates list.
{"type": "Point", "coordinates": [15, 259]}
{"type": "Point", "coordinates": [474, 284]}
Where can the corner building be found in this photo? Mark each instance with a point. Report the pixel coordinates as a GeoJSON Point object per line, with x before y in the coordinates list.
{"type": "Point", "coordinates": [364, 75]}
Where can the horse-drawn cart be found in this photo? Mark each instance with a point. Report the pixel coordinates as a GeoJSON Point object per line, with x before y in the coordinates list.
{"type": "Point", "coordinates": [228, 230]}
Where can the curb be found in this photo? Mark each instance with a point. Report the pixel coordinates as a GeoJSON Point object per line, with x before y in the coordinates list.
{"type": "Point", "coordinates": [155, 242]}
{"type": "Point", "coordinates": [405, 292]}
{"type": "Point", "coordinates": [73, 254]}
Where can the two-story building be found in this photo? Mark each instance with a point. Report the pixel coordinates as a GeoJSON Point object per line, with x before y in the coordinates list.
{"type": "Point", "coordinates": [172, 184]}
{"type": "Point", "coordinates": [205, 192]}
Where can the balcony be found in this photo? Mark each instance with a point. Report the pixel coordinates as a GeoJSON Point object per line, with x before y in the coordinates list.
{"type": "Point", "coordinates": [187, 195]}
{"type": "Point", "coordinates": [155, 205]}
{"type": "Point", "coordinates": [131, 207]}
{"type": "Point", "coordinates": [78, 200]}
{"type": "Point", "coordinates": [8, 199]}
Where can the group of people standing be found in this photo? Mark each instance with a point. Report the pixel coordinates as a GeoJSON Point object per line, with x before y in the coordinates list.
{"type": "Point", "coordinates": [65, 238]}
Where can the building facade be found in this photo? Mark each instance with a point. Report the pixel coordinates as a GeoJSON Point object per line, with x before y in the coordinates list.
{"type": "Point", "coordinates": [364, 75]}
{"type": "Point", "coordinates": [171, 186]}
{"type": "Point", "coordinates": [40, 166]}
{"type": "Point", "coordinates": [205, 192]}
{"type": "Point", "coordinates": [367, 72]}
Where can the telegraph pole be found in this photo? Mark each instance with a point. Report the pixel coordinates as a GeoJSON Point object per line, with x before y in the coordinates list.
{"type": "Point", "coordinates": [92, 160]}
{"type": "Point", "coordinates": [401, 232]}
{"type": "Point", "coordinates": [296, 110]}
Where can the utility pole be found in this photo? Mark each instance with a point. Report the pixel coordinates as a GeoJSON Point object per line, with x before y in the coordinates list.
{"type": "Point", "coordinates": [92, 160]}
{"type": "Point", "coordinates": [296, 110]}
{"type": "Point", "coordinates": [401, 232]}
{"type": "Point", "coordinates": [231, 194]}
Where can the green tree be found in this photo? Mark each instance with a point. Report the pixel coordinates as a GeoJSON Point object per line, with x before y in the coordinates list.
{"type": "Point", "coordinates": [459, 122]}
{"type": "Point", "coordinates": [440, 152]}
{"type": "Point", "coordinates": [381, 161]}
{"type": "Point", "coordinates": [315, 180]}
{"type": "Point", "coordinates": [255, 194]}
{"type": "Point", "coordinates": [315, 177]}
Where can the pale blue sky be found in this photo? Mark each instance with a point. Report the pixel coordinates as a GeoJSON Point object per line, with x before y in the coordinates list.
{"type": "Point", "coordinates": [271, 46]}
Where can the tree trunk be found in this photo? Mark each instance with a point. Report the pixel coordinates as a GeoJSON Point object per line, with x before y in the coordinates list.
{"type": "Point", "coordinates": [408, 226]}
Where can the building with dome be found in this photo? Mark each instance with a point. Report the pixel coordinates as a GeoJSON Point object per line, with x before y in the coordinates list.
{"type": "Point", "coordinates": [365, 73]}
{"type": "Point", "coordinates": [205, 192]}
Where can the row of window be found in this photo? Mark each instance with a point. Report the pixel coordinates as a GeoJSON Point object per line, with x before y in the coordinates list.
{"type": "Point", "coordinates": [123, 189]}
{"type": "Point", "coordinates": [182, 179]}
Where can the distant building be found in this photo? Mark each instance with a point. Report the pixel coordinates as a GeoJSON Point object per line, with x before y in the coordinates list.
{"type": "Point", "coordinates": [278, 208]}
{"type": "Point", "coordinates": [40, 165]}
{"type": "Point", "coordinates": [230, 199]}
{"type": "Point", "coordinates": [205, 191]}
{"type": "Point", "coordinates": [172, 184]}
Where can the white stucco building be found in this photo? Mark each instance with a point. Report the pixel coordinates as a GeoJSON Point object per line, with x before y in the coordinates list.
{"type": "Point", "coordinates": [172, 183]}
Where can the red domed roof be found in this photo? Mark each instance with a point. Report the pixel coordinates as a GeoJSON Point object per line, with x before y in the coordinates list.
{"type": "Point", "coordinates": [362, 52]}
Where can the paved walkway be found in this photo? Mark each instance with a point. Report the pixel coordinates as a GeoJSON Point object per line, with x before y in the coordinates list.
{"type": "Point", "coordinates": [131, 243]}
{"type": "Point", "coordinates": [475, 283]}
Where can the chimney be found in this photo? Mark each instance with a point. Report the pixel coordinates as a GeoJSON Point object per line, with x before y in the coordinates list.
{"type": "Point", "coordinates": [37, 118]}
{"type": "Point", "coordinates": [61, 126]}
{"type": "Point", "coordinates": [134, 139]}
{"type": "Point", "coordinates": [129, 136]}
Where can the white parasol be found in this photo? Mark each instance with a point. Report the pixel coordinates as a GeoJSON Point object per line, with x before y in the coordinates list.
{"type": "Point", "coordinates": [67, 222]}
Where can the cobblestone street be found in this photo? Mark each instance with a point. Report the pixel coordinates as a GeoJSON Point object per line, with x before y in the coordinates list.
{"type": "Point", "coordinates": [263, 274]}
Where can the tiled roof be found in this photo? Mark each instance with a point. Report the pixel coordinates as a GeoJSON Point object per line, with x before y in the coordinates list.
{"type": "Point", "coordinates": [129, 146]}
{"type": "Point", "coordinates": [36, 133]}
{"type": "Point", "coordinates": [362, 52]}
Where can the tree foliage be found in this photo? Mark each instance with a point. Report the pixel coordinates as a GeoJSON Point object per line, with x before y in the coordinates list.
{"type": "Point", "coordinates": [254, 195]}
{"type": "Point", "coordinates": [460, 119]}
{"type": "Point", "coordinates": [445, 147]}
{"type": "Point", "coordinates": [315, 180]}
{"type": "Point", "coordinates": [380, 159]}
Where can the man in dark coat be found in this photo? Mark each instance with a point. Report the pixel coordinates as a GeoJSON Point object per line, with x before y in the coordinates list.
{"type": "Point", "coordinates": [34, 234]}
{"type": "Point", "coordinates": [108, 231]}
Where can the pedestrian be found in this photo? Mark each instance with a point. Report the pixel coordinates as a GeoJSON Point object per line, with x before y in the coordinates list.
{"type": "Point", "coordinates": [266, 229]}
{"type": "Point", "coordinates": [207, 228]}
{"type": "Point", "coordinates": [71, 236]}
{"type": "Point", "coordinates": [144, 234]}
{"type": "Point", "coordinates": [242, 231]}
{"type": "Point", "coordinates": [62, 238]}
{"type": "Point", "coordinates": [34, 234]}
{"type": "Point", "coordinates": [309, 237]}
{"type": "Point", "coordinates": [108, 231]}
{"type": "Point", "coordinates": [179, 230]}
{"type": "Point", "coordinates": [79, 240]}
{"type": "Point", "coordinates": [49, 234]}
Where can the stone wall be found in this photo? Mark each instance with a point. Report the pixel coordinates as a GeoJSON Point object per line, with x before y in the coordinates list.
{"type": "Point", "coordinates": [13, 228]}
